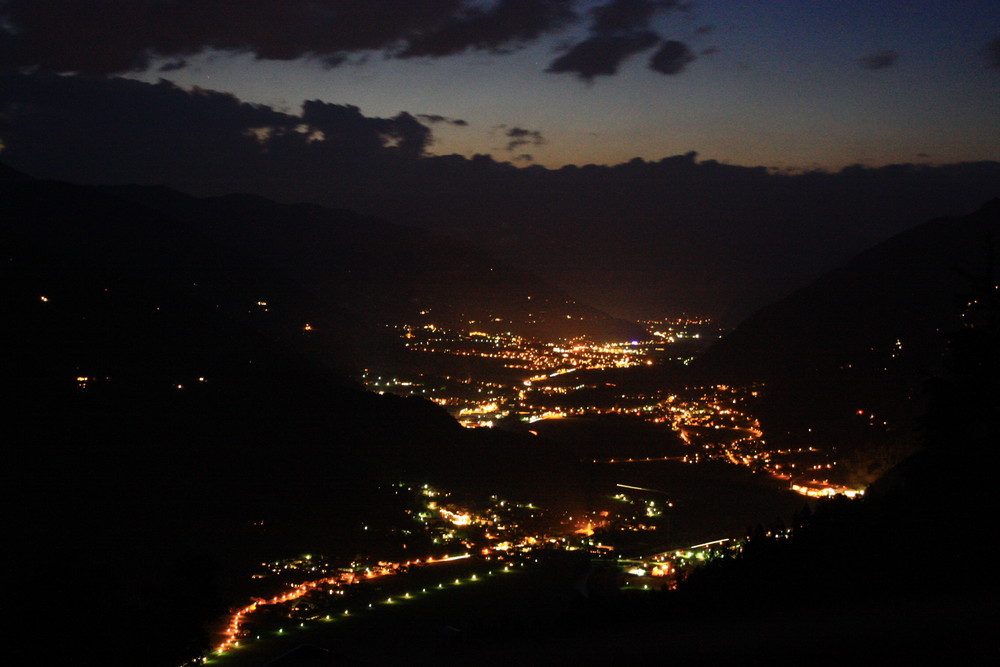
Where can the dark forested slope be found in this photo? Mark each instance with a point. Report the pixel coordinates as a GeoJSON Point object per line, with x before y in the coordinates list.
{"type": "Point", "coordinates": [173, 419]}
{"type": "Point", "coordinates": [848, 356]}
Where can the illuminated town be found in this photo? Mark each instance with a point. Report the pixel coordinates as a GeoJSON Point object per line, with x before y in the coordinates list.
{"type": "Point", "coordinates": [473, 543]}
{"type": "Point", "coordinates": [509, 379]}
{"type": "Point", "coordinates": [506, 378]}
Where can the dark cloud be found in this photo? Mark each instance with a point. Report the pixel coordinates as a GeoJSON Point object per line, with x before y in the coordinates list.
{"type": "Point", "coordinates": [602, 55]}
{"type": "Point", "coordinates": [521, 137]}
{"type": "Point", "coordinates": [710, 51]}
{"type": "Point", "coordinates": [671, 58]}
{"type": "Point", "coordinates": [343, 129]}
{"type": "Point", "coordinates": [992, 52]}
{"type": "Point", "coordinates": [618, 30]}
{"type": "Point", "coordinates": [704, 29]}
{"type": "Point", "coordinates": [172, 66]}
{"type": "Point", "coordinates": [879, 60]}
{"type": "Point", "coordinates": [118, 36]}
{"type": "Point", "coordinates": [702, 249]}
{"type": "Point", "coordinates": [115, 36]}
{"type": "Point", "coordinates": [505, 26]}
{"type": "Point", "coordinates": [434, 118]}
{"type": "Point", "coordinates": [626, 16]}
{"type": "Point", "coordinates": [123, 130]}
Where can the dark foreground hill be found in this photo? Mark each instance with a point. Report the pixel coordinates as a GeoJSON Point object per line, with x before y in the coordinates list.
{"type": "Point", "coordinates": [845, 360]}
{"type": "Point", "coordinates": [173, 419]}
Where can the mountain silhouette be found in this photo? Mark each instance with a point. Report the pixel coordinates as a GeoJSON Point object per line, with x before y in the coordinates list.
{"type": "Point", "coordinates": [174, 421]}
{"type": "Point", "coordinates": [385, 273]}
{"type": "Point", "coordinates": [844, 362]}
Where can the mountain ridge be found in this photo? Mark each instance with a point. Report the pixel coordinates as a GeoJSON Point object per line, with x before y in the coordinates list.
{"type": "Point", "coordinates": [387, 272]}
{"type": "Point", "coordinates": [849, 355]}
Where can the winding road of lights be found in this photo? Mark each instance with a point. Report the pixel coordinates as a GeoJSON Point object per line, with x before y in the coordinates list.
{"type": "Point", "coordinates": [239, 618]}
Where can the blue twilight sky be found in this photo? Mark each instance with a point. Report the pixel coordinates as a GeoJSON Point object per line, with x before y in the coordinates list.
{"type": "Point", "coordinates": [781, 83]}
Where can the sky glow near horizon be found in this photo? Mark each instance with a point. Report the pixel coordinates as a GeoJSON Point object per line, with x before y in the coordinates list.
{"type": "Point", "coordinates": [786, 87]}
{"type": "Point", "coordinates": [735, 107]}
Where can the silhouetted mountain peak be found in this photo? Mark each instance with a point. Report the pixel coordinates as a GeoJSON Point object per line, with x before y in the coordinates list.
{"type": "Point", "coordinates": [845, 360]}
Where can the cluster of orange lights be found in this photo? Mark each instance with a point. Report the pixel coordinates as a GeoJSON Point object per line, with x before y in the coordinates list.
{"type": "Point", "coordinates": [232, 631]}
{"type": "Point", "coordinates": [238, 619]}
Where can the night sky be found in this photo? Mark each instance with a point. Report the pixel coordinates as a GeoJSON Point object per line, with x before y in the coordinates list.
{"type": "Point", "coordinates": [741, 148]}
{"type": "Point", "coordinates": [777, 83]}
